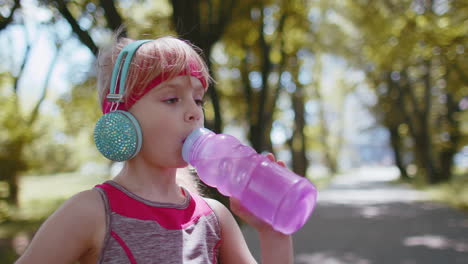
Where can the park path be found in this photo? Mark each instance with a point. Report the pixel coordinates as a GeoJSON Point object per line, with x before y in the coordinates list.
{"type": "Point", "coordinates": [364, 218]}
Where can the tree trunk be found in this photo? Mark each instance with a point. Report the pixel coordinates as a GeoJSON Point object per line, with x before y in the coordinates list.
{"type": "Point", "coordinates": [192, 23]}
{"type": "Point", "coordinates": [395, 142]}
{"type": "Point", "coordinates": [329, 159]}
{"type": "Point", "coordinates": [12, 164]}
{"type": "Point", "coordinates": [418, 124]}
{"type": "Point", "coordinates": [298, 140]}
{"type": "Point", "coordinates": [259, 139]}
{"type": "Point", "coordinates": [217, 126]}
{"type": "Point", "coordinates": [426, 136]}
{"type": "Point", "coordinates": [114, 20]}
{"type": "Point", "coordinates": [449, 151]}
{"type": "Point", "coordinates": [13, 188]}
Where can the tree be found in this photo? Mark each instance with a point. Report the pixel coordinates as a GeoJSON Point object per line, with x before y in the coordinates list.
{"type": "Point", "coordinates": [203, 23]}
{"type": "Point", "coordinates": [298, 140]}
{"type": "Point", "coordinates": [409, 52]}
{"type": "Point", "coordinates": [18, 129]}
{"type": "Point", "coordinates": [260, 53]}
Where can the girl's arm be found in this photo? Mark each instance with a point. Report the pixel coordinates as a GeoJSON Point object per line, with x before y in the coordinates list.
{"type": "Point", "coordinates": [233, 248]}
{"type": "Point", "coordinates": [69, 233]}
{"type": "Point", "coordinates": [275, 247]}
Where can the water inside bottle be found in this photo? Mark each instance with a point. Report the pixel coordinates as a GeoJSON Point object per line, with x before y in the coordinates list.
{"type": "Point", "coordinates": [267, 187]}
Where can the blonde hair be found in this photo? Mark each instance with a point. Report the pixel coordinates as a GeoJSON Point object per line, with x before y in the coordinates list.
{"type": "Point", "coordinates": [169, 56]}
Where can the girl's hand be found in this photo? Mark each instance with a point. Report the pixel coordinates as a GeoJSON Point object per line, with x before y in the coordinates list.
{"type": "Point", "coordinates": [246, 215]}
{"type": "Point", "coordinates": [275, 247]}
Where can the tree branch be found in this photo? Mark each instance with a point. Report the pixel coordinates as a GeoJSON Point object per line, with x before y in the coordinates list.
{"type": "Point", "coordinates": [83, 36]}
{"type": "Point", "coordinates": [23, 63]}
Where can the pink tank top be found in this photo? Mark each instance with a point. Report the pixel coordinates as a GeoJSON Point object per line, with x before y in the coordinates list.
{"type": "Point", "coordinates": [141, 231]}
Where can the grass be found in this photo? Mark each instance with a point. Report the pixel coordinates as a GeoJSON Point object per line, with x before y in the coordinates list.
{"type": "Point", "coordinates": [40, 194]}
{"type": "Point", "coordinates": [39, 197]}
{"type": "Point", "coordinates": [454, 193]}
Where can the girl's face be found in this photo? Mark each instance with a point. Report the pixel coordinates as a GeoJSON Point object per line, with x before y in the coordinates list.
{"type": "Point", "coordinates": [167, 114]}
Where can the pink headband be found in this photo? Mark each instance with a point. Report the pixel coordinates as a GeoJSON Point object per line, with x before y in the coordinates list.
{"type": "Point", "coordinates": [107, 105]}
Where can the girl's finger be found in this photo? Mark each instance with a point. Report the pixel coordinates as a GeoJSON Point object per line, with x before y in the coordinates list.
{"type": "Point", "coordinates": [270, 156]}
{"type": "Point", "coordinates": [281, 163]}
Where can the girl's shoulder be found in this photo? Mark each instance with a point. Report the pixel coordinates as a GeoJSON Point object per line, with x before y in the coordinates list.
{"type": "Point", "coordinates": [74, 230]}
{"type": "Point", "coordinates": [233, 248]}
{"type": "Point", "coordinates": [214, 204]}
{"type": "Point", "coordinates": [88, 201]}
{"type": "Point", "coordinates": [85, 209]}
{"type": "Point", "coordinates": [221, 212]}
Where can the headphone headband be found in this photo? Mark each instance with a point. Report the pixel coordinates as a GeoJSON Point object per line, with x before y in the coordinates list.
{"type": "Point", "coordinates": [120, 70]}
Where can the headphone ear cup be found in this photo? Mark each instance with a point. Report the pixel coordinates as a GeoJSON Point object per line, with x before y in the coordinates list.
{"type": "Point", "coordinates": [117, 135]}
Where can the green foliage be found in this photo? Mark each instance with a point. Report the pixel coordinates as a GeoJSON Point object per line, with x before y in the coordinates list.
{"type": "Point", "coordinates": [40, 196]}
{"type": "Point", "coordinates": [412, 53]}
{"type": "Point", "coordinates": [15, 132]}
{"type": "Point", "coordinates": [454, 193]}
{"type": "Point", "coordinates": [29, 147]}
{"type": "Point", "coordinates": [80, 107]}
{"type": "Point", "coordinates": [52, 152]}
{"type": "Point", "coordinates": [403, 40]}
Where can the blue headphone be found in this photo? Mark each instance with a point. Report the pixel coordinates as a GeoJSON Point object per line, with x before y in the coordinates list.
{"type": "Point", "coordinates": [117, 134]}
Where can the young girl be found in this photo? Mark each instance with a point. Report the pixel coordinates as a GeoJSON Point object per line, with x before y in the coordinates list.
{"type": "Point", "coordinates": [143, 215]}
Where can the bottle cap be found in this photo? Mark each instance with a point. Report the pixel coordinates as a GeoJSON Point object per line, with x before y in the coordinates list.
{"type": "Point", "coordinates": [190, 140]}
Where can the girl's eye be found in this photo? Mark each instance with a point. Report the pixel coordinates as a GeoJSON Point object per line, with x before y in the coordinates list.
{"type": "Point", "coordinates": [171, 100]}
{"type": "Point", "coordinates": [200, 102]}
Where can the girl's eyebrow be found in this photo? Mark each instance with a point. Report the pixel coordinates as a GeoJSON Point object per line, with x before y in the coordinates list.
{"type": "Point", "coordinates": [172, 87]}
{"type": "Point", "coordinates": [167, 87]}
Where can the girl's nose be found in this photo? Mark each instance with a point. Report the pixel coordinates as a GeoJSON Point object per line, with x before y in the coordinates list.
{"type": "Point", "coordinates": [192, 114]}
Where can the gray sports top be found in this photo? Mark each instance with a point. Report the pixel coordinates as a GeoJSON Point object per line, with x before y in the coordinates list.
{"type": "Point", "coordinates": [141, 231]}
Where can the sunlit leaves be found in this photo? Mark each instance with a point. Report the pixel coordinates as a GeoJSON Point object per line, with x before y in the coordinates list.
{"type": "Point", "coordinates": [412, 47]}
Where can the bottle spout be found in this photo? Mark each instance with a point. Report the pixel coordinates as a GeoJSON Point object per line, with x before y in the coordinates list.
{"type": "Point", "coordinates": [190, 142]}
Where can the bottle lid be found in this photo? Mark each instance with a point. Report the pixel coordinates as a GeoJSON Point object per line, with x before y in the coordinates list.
{"type": "Point", "coordinates": [190, 140]}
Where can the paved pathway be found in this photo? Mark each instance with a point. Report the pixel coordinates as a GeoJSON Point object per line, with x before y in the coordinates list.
{"type": "Point", "coordinates": [362, 218]}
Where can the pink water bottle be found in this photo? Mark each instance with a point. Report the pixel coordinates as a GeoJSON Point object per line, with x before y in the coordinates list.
{"type": "Point", "coordinates": [273, 193]}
